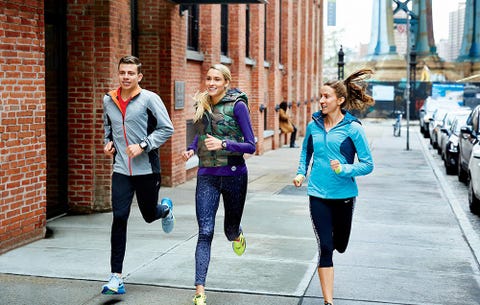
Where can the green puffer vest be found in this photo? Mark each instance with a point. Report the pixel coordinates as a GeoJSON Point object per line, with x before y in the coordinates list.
{"type": "Point", "coordinates": [221, 124]}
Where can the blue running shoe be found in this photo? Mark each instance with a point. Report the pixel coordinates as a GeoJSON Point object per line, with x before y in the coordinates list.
{"type": "Point", "coordinates": [168, 222]}
{"type": "Point", "coordinates": [114, 285]}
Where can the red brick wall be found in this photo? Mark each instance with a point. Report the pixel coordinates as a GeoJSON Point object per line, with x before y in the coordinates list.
{"type": "Point", "coordinates": [272, 73]}
{"type": "Point", "coordinates": [194, 82]}
{"type": "Point", "coordinates": [236, 47]}
{"type": "Point", "coordinates": [22, 123]}
{"type": "Point", "coordinates": [98, 34]}
{"type": "Point", "coordinates": [287, 52]}
{"type": "Point", "coordinates": [257, 97]}
{"type": "Point", "coordinates": [97, 38]}
{"type": "Point", "coordinates": [162, 49]}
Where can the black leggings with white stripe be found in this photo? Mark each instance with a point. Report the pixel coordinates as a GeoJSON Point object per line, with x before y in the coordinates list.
{"type": "Point", "coordinates": [332, 222]}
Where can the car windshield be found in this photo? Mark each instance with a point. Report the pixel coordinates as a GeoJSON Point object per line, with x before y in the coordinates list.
{"type": "Point", "coordinates": [449, 119]}
{"type": "Point", "coordinates": [445, 104]}
{"type": "Point", "coordinates": [439, 114]}
{"type": "Point", "coordinates": [459, 122]}
{"type": "Point", "coordinates": [451, 116]}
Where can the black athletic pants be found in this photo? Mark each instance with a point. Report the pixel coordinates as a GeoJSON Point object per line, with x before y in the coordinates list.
{"type": "Point", "coordinates": [332, 222]}
{"type": "Point", "coordinates": [146, 188]}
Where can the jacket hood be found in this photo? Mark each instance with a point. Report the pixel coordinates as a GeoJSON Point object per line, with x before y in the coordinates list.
{"type": "Point", "coordinates": [113, 95]}
{"type": "Point", "coordinates": [318, 117]}
{"type": "Point", "coordinates": [233, 95]}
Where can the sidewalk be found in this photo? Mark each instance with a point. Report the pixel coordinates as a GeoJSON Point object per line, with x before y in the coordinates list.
{"type": "Point", "coordinates": [408, 245]}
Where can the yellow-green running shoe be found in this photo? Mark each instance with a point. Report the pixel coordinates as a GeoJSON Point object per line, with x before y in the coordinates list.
{"type": "Point", "coordinates": [200, 299]}
{"type": "Point", "coordinates": [239, 245]}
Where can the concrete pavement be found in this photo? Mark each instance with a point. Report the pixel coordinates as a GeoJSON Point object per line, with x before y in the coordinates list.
{"type": "Point", "coordinates": [410, 243]}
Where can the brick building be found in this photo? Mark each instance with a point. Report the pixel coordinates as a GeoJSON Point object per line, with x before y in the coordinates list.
{"type": "Point", "coordinates": [59, 57]}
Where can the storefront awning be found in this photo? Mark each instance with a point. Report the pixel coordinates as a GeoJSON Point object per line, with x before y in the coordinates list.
{"type": "Point", "coordinates": [219, 1]}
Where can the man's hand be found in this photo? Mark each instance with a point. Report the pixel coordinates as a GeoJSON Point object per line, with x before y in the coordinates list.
{"type": "Point", "coordinates": [134, 150]}
{"type": "Point", "coordinates": [109, 149]}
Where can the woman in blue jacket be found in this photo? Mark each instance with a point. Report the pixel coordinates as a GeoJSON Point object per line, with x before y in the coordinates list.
{"type": "Point", "coordinates": [334, 138]}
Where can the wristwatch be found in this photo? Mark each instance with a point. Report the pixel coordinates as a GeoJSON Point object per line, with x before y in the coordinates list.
{"type": "Point", "coordinates": [224, 144]}
{"type": "Point", "coordinates": [143, 145]}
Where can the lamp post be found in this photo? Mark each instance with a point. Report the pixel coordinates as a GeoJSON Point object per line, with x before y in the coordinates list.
{"type": "Point", "coordinates": [411, 67]}
{"type": "Point", "coordinates": [411, 20]}
{"type": "Point", "coordinates": [340, 63]}
{"type": "Point", "coordinates": [412, 79]}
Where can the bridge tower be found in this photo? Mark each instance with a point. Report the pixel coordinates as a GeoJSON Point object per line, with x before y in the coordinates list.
{"type": "Point", "coordinates": [382, 55]}
{"type": "Point", "coordinates": [382, 44]}
{"type": "Point", "coordinates": [382, 52]}
{"type": "Point", "coordinates": [470, 49]}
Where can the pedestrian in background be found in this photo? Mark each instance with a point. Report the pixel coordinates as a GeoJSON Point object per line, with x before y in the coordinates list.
{"type": "Point", "coordinates": [334, 138]}
{"type": "Point", "coordinates": [286, 124]}
{"type": "Point", "coordinates": [224, 134]}
{"type": "Point", "coordinates": [136, 124]}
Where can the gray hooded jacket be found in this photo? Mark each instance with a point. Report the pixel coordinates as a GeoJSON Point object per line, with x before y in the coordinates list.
{"type": "Point", "coordinates": [145, 119]}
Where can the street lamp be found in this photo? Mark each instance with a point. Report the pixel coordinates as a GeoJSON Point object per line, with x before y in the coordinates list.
{"type": "Point", "coordinates": [340, 63]}
{"type": "Point", "coordinates": [412, 66]}
{"type": "Point", "coordinates": [411, 20]}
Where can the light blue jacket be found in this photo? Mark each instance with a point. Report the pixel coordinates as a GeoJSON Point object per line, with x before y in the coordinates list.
{"type": "Point", "coordinates": [145, 119]}
{"type": "Point", "coordinates": [343, 142]}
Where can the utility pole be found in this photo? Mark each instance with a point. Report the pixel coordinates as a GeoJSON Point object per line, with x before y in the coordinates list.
{"type": "Point", "coordinates": [412, 75]}
{"type": "Point", "coordinates": [411, 22]}
{"type": "Point", "coordinates": [340, 63]}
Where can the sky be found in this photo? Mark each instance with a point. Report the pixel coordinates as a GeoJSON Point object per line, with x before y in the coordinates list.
{"type": "Point", "coordinates": [355, 17]}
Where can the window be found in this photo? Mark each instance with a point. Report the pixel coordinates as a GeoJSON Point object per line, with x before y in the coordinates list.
{"type": "Point", "coordinates": [224, 30]}
{"type": "Point", "coordinates": [192, 27]}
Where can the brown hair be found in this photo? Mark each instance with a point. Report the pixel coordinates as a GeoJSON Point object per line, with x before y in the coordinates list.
{"type": "Point", "coordinates": [131, 60]}
{"type": "Point", "coordinates": [353, 90]}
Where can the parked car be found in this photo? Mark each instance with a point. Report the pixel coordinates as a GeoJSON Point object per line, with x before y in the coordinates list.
{"type": "Point", "coordinates": [471, 95]}
{"type": "Point", "coordinates": [474, 181]}
{"type": "Point", "coordinates": [469, 135]}
{"type": "Point", "coordinates": [427, 109]}
{"type": "Point", "coordinates": [450, 150]}
{"type": "Point", "coordinates": [446, 127]}
{"type": "Point", "coordinates": [435, 124]}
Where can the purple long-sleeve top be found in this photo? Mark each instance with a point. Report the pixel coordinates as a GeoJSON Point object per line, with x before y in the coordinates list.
{"type": "Point", "coordinates": [242, 116]}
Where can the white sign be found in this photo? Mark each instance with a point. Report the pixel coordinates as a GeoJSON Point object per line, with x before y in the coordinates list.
{"type": "Point", "coordinates": [383, 93]}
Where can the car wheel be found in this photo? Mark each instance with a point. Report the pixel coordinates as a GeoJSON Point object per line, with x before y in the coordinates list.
{"type": "Point", "coordinates": [473, 201]}
{"type": "Point", "coordinates": [449, 169]}
{"type": "Point", "coordinates": [462, 174]}
{"type": "Point", "coordinates": [425, 134]}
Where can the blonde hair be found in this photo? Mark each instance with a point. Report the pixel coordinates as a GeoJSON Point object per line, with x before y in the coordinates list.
{"type": "Point", "coordinates": [202, 99]}
{"type": "Point", "coordinates": [353, 90]}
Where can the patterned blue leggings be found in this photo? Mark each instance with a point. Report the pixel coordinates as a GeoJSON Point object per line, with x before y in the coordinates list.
{"type": "Point", "coordinates": [209, 188]}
